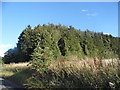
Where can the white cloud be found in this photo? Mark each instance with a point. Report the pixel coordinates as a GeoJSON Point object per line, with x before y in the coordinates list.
{"type": "Point", "coordinates": [91, 14]}
{"type": "Point", "coordinates": [106, 33]}
{"type": "Point", "coordinates": [88, 12]}
{"type": "Point", "coordinates": [2, 52]}
{"type": "Point", "coordinates": [5, 45]}
{"type": "Point", "coordinates": [84, 10]}
{"type": "Point", "coordinates": [4, 48]}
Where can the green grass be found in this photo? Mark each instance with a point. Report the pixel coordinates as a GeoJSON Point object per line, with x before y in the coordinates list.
{"type": "Point", "coordinates": [20, 77]}
{"type": "Point", "coordinates": [17, 73]}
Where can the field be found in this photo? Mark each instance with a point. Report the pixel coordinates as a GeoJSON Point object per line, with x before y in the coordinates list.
{"type": "Point", "coordinates": [70, 73]}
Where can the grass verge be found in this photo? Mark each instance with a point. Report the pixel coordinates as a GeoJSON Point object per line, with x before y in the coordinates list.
{"type": "Point", "coordinates": [70, 73]}
{"type": "Point", "coordinates": [18, 73]}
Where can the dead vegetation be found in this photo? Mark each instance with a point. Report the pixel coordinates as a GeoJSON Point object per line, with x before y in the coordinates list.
{"type": "Point", "coordinates": [93, 63]}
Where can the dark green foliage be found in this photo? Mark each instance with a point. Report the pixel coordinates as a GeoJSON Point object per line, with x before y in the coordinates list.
{"type": "Point", "coordinates": [40, 57]}
{"type": "Point", "coordinates": [12, 55]}
{"type": "Point", "coordinates": [64, 41]}
{"type": "Point", "coordinates": [61, 45]}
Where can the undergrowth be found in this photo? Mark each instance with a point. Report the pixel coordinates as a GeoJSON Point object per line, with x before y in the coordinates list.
{"type": "Point", "coordinates": [73, 76]}
{"type": "Point", "coordinates": [64, 73]}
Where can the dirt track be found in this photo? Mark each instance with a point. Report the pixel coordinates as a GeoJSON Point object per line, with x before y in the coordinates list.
{"type": "Point", "coordinates": [6, 85]}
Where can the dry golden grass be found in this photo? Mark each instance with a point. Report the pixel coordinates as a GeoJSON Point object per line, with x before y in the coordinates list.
{"type": "Point", "coordinates": [81, 63]}
{"type": "Point", "coordinates": [12, 68]}
{"type": "Point", "coordinates": [64, 70]}
{"type": "Point", "coordinates": [16, 65]}
{"type": "Point", "coordinates": [75, 72]}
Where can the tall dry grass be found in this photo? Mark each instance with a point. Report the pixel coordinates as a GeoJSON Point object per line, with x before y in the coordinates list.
{"type": "Point", "coordinates": [75, 61]}
{"type": "Point", "coordinates": [74, 72]}
{"type": "Point", "coordinates": [16, 65]}
{"type": "Point", "coordinates": [70, 72]}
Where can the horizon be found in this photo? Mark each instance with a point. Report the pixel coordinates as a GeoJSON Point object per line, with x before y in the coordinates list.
{"type": "Point", "coordinates": [81, 15]}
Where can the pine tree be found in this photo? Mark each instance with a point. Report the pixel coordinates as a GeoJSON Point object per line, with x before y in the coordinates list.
{"type": "Point", "coordinates": [40, 57]}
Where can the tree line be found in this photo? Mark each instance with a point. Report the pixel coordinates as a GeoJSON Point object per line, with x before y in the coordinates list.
{"type": "Point", "coordinates": [61, 41]}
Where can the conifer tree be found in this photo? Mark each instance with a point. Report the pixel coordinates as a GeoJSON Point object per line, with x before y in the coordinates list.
{"type": "Point", "coordinates": [40, 58]}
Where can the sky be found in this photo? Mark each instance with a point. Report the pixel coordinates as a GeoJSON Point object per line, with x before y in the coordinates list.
{"type": "Point", "coordinates": [94, 16]}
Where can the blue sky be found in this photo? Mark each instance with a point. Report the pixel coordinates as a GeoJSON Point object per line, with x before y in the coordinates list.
{"type": "Point", "coordinates": [95, 16]}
